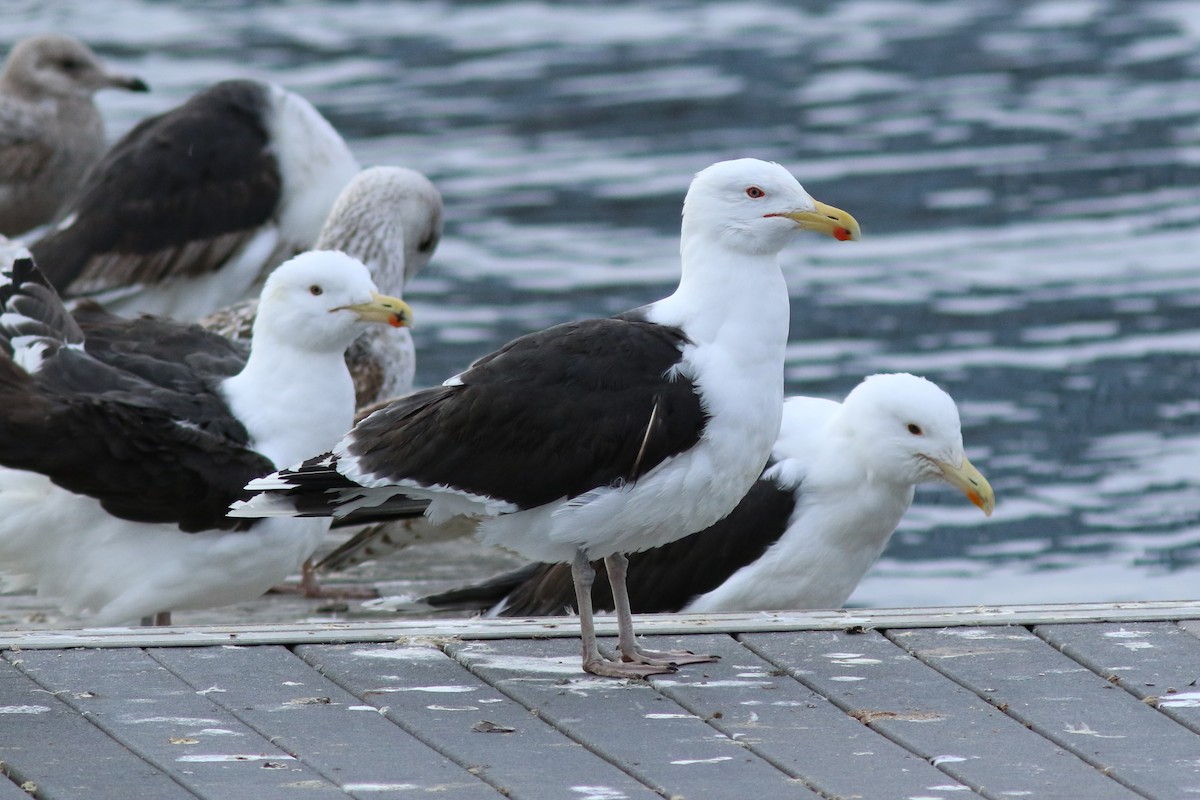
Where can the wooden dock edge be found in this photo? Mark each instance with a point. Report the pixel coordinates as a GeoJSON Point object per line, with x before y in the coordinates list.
{"type": "Point", "coordinates": [647, 624]}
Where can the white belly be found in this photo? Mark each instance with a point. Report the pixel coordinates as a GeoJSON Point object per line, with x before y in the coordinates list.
{"type": "Point", "coordinates": [114, 571]}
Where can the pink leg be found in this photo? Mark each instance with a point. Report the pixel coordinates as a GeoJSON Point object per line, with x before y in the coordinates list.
{"type": "Point", "coordinates": [593, 661]}
{"type": "Point", "coordinates": [617, 566]}
{"type": "Point", "coordinates": [310, 587]}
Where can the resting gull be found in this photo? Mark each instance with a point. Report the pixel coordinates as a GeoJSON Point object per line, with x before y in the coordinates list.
{"type": "Point", "coordinates": [50, 129]}
{"type": "Point", "coordinates": [189, 210]}
{"type": "Point", "coordinates": [840, 478]}
{"type": "Point", "coordinates": [124, 441]}
{"type": "Point", "coordinates": [599, 438]}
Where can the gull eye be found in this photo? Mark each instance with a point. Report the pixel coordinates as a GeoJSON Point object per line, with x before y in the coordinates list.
{"type": "Point", "coordinates": [754, 193]}
{"type": "Point", "coordinates": [315, 290]}
{"type": "Point", "coordinates": [70, 64]}
{"type": "Point", "coordinates": [915, 429]}
{"type": "Point", "coordinates": [428, 243]}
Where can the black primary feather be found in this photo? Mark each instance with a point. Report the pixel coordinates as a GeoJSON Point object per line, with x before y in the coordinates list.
{"type": "Point", "coordinates": [149, 437]}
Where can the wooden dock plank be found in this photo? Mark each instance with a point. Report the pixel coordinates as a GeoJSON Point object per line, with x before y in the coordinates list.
{"type": "Point", "coordinates": [171, 725]}
{"type": "Point", "coordinates": [1001, 710]}
{"type": "Point", "coordinates": [456, 713]}
{"type": "Point", "coordinates": [647, 624]}
{"type": "Point", "coordinates": [292, 705]}
{"type": "Point", "coordinates": [1192, 626]}
{"type": "Point", "coordinates": [879, 684]}
{"type": "Point", "coordinates": [45, 741]}
{"type": "Point", "coordinates": [1067, 703]}
{"type": "Point", "coordinates": [627, 722]}
{"type": "Point", "coordinates": [1158, 662]}
{"type": "Point", "coordinates": [749, 699]}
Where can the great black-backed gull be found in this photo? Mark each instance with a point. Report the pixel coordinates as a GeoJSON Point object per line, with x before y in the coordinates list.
{"type": "Point", "coordinates": [124, 441]}
{"type": "Point", "coordinates": [50, 130]}
{"type": "Point", "coordinates": [189, 210]}
{"type": "Point", "coordinates": [390, 218]}
{"type": "Point", "coordinates": [599, 438]}
{"type": "Point", "coordinates": [840, 478]}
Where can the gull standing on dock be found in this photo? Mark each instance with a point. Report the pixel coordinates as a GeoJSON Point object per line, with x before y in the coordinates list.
{"type": "Point", "coordinates": [599, 438]}
{"type": "Point", "coordinates": [51, 132]}
{"type": "Point", "coordinates": [125, 440]}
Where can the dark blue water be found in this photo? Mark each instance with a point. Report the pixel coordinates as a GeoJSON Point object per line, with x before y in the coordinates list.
{"type": "Point", "coordinates": [1026, 174]}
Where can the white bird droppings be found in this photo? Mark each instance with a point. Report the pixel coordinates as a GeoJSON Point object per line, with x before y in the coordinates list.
{"type": "Point", "coordinates": [975, 634]}
{"type": "Point", "coordinates": [715, 684]}
{"type": "Point", "coordinates": [851, 659]}
{"type": "Point", "coordinates": [599, 793]}
{"type": "Point", "coordinates": [1085, 730]}
{"type": "Point", "coordinates": [172, 720]}
{"type": "Point", "coordinates": [403, 653]}
{"type": "Point", "coordinates": [435, 689]}
{"type": "Point", "coordinates": [205, 758]}
{"type": "Point", "coordinates": [937, 760]}
{"type": "Point", "coordinates": [1180, 700]}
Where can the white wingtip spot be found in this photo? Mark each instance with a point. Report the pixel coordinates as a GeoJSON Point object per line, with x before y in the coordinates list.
{"type": "Point", "coordinates": [262, 505]}
{"type": "Point", "coordinates": [29, 353]}
{"type": "Point", "coordinates": [269, 483]}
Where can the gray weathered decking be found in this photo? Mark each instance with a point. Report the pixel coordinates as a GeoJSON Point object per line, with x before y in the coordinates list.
{"type": "Point", "coordinates": [1082, 701]}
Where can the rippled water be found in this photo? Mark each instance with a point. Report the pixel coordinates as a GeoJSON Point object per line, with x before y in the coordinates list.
{"type": "Point", "coordinates": [1026, 175]}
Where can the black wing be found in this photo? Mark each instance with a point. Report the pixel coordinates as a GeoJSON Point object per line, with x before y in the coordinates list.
{"type": "Point", "coordinates": [152, 444]}
{"type": "Point", "coordinates": [36, 308]}
{"type": "Point", "coordinates": [553, 414]}
{"type": "Point", "coordinates": [158, 348]}
{"type": "Point", "coordinates": [176, 196]}
{"type": "Point", "coordinates": [550, 415]}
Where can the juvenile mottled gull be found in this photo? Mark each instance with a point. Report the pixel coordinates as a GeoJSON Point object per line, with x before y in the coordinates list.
{"type": "Point", "coordinates": [839, 480]}
{"type": "Point", "coordinates": [599, 438]}
{"type": "Point", "coordinates": [390, 218]}
{"type": "Point", "coordinates": [189, 210]}
{"type": "Point", "coordinates": [124, 441]}
{"type": "Point", "coordinates": [50, 130]}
